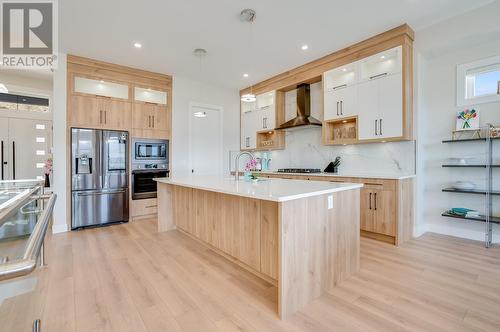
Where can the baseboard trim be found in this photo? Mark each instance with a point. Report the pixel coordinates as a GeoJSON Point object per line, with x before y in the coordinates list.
{"type": "Point", "coordinates": [59, 228]}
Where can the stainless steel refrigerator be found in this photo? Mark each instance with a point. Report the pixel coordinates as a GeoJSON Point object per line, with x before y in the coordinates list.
{"type": "Point", "coordinates": [99, 181]}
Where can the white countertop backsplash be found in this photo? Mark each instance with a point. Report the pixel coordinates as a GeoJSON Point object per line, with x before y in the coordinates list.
{"type": "Point", "coordinates": [278, 190]}
{"type": "Point", "coordinates": [383, 160]}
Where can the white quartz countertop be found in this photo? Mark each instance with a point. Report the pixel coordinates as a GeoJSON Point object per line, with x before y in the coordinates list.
{"type": "Point", "coordinates": [278, 190]}
{"type": "Point", "coordinates": [349, 175]}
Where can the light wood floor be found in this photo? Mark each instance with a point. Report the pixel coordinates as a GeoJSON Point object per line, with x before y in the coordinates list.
{"type": "Point", "coordinates": [130, 278]}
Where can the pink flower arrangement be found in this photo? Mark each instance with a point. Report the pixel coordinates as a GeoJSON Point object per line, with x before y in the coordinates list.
{"type": "Point", "coordinates": [47, 168]}
{"type": "Point", "coordinates": [250, 166]}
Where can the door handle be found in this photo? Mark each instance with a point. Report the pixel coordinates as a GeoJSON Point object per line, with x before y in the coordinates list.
{"type": "Point", "coordinates": [380, 127]}
{"type": "Point", "coordinates": [370, 201]}
{"type": "Point", "coordinates": [13, 160]}
{"type": "Point", "coordinates": [375, 199]}
{"type": "Point", "coordinates": [1, 157]}
{"type": "Point", "coordinates": [337, 108]}
{"type": "Point", "coordinates": [376, 127]}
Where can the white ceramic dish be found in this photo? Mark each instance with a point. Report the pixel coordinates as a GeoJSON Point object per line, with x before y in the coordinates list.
{"type": "Point", "coordinates": [464, 185]}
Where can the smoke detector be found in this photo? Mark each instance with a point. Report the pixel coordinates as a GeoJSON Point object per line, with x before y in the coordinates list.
{"type": "Point", "coordinates": [248, 15]}
{"type": "Point", "coordinates": [200, 52]}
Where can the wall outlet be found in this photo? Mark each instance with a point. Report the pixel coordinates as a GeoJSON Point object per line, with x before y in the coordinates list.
{"type": "Point", "coordinates": [330, 202]}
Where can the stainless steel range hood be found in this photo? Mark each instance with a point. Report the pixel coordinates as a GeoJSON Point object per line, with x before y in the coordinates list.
{"type": "Point", "coordinates": [303, 117]}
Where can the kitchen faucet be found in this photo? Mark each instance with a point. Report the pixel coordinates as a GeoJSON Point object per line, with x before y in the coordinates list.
{"type": "Point", "coordinates": [237, 164]}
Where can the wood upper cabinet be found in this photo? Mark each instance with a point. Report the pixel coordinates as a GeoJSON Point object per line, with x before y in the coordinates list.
{"type": "Point", "coordinates": [99, 112]}
{"type": "Point", "coordinates": [151, 113]}
{"type": "Point", "coordinates": [116, 114]}
{"type": "Point", "coordinates": [83, 111]}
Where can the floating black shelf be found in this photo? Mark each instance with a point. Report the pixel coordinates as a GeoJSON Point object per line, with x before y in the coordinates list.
{"type": "Point", "coordinates": [469, 191]}
{"type": "Point", "coordinates": [493, 219]}
{"type": "Point", "coordinates": [475, 165]}
{"type": "Point", "coordinates": [468, 140]}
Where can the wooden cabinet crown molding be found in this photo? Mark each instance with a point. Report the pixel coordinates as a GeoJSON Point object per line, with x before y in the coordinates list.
{"type": "Point", "coordinates": [99, 68]}
{"type": "Point", "coordinates": [311, 72]}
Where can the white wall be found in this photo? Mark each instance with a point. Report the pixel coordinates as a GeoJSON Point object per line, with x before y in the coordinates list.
{"type": "Point", "coordinates": [439, 49]}
{"type": "Point", "coordinates": [186, 90]}
{"type": "Point", "coordinates": [59, 151]}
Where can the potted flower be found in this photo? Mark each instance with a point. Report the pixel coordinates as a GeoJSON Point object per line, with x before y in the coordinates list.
{"type": "Point", "coordinates": [47, 170]}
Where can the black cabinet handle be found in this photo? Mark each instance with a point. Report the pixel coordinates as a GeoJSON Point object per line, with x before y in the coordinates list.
{"type": "Point", "coordinates": [380, 126]}
{"type": "Point", "coordinates": [376, 127]}
{"type": "Point", "coordinates": [370, 201]}
{"type": "Point", "coordinates": [378, 76]}
{"type": "Point", "coordinates": [1, 157]}
{"type": "Point", "coordinates": [339, 86]}
{"type": "Point", "coordinates": [341, 107]}
{"type": "Point", "coordinates": [375, 198]}
{"type": "Point", "coordinates": [337, 108]}
{"type": "Point", "coordinates": [13, 160]}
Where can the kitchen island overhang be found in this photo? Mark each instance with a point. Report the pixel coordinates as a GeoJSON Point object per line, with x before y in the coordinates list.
{"type": "Point", "coordinates": [301, 236]}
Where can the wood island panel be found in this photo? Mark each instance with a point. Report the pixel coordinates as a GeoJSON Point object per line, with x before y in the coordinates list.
{"type": "Point", "coordinates": [319, 247]}
{"type": "Point", "coordinates": [301, 246]}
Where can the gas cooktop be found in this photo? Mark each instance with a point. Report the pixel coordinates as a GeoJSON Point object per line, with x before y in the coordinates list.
{"type": "Point", "coordinates": [299, 170]}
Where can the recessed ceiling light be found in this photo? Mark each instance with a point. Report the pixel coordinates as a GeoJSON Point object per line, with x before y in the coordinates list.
{"type": "Point", "coordinates": [245, 75]}
{"type": "Point", "coordinates": [304, 47]}
{"type": "Point", "coordinates": [344, 121]}
{"type": "Point", "coordinates": [382, 57]}
{"type": "Point", "coordinates": [137, 45]}
{"type": "Point", "coordinates": [344, 69]}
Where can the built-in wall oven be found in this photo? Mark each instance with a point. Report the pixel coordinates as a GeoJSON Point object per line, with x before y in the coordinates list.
{"type": "Point", "coordinates": [149, 161]}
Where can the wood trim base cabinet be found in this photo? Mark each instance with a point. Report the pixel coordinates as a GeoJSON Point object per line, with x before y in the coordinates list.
{"type": "Point", "coordinates": [386, 206]}
{"type": "Point", "coordinates": [302, 246]}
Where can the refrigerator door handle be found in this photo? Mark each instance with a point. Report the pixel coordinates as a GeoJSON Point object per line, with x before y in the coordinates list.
{"type": "Point", "coordinates": [13, 160]}
{"type": "Point", "coordinates": [99, 193]}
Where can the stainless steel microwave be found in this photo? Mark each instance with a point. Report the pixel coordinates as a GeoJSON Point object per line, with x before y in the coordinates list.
{"type": "Point", "coordinates": [150, 150]}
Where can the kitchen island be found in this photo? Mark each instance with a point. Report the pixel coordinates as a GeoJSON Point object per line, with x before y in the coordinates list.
{"type": "Point", "coordinates": [301, 236]}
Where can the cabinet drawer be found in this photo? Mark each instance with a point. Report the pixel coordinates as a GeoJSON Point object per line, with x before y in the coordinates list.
{"type": "Point", "coordinates": [143, 207]}
{"type": "Point", "coordinates": [380, 184]}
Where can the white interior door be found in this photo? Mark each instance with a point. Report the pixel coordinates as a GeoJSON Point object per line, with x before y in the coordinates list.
{"type": "Point", "coordinates": [29, 144]}
{"type": "Point", "coordinates": [205, 137]}
{"type": "Point", "coordinates": [4, 153]}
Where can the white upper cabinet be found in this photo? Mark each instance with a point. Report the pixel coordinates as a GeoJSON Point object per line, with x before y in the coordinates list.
{"type": "Point", "coordinates": [100, 88]}
{"type": "Point", "coordinates": [367, 100]}
{"type": "Point", "coordinates": [381, 64]}
{"type": "Point", "coordinates": [372, 90]}
{"type": "Point", "coordinates": [380, 106]}
{"type": "Point", "coordinates": [249, 123]}
{"type": "Point", "coordinates": [340, 102]}
{"type": "Point", "coordinates": [266, 100]}
{"type": "Point", "coordinates": [391, 106]}
{"type": "Point", "coordinates": [341, 77]}
{"type": "Point", "coordinates": [150, 96]}
{"type": "Point", "coordinates": [248, 106]}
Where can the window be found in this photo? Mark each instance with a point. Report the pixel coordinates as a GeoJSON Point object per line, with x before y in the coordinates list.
{"type": "Point", "coordinates": [23, 103]}
{"type": "Point", "coordinates": [478, 82]}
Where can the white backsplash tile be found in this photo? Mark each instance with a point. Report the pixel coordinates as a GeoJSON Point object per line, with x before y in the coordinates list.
{"type": "Point", "coordinates": [304, 150]}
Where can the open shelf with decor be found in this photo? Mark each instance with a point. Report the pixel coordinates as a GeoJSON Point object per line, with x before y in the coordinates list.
{"type": "Point", "coordinates": [340, 131]}
{"type": "Point", "coordinates": [491, 134]}
{"type": "Point", "coordinates": [270, 140]}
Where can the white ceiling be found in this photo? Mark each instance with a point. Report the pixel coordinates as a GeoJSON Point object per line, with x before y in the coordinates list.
{"type": "Point", "coordinates": [170, 30]}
